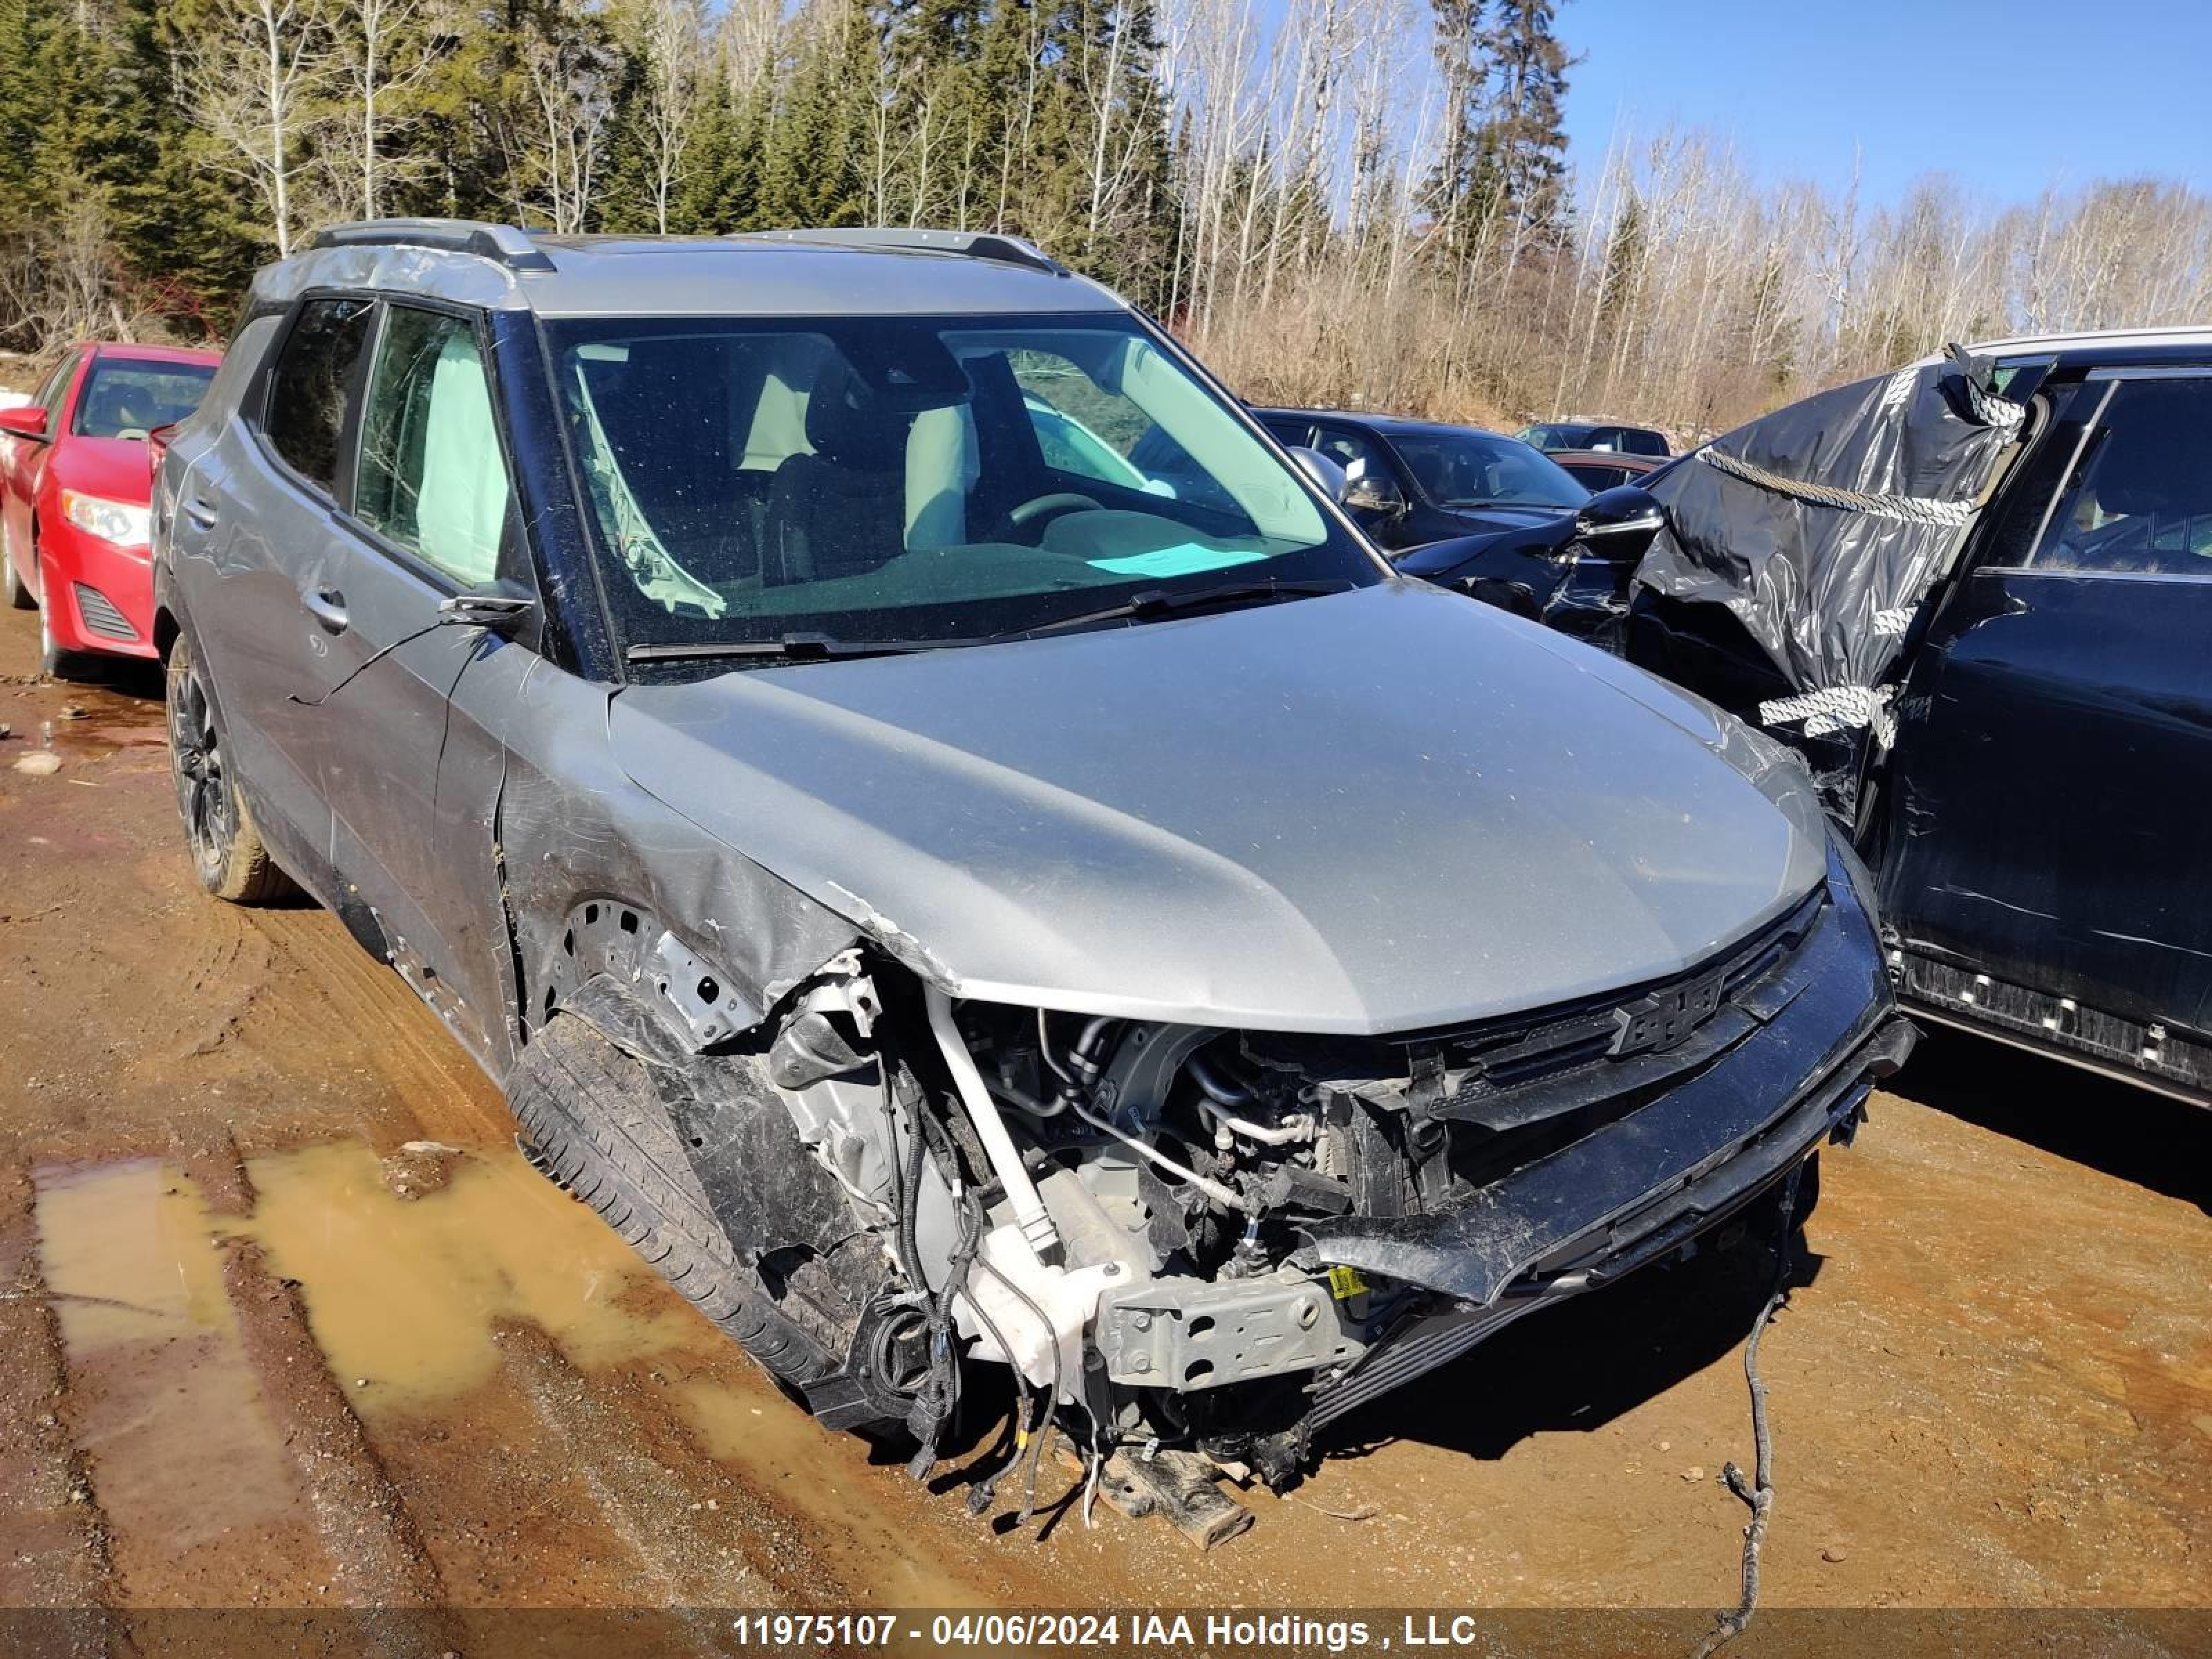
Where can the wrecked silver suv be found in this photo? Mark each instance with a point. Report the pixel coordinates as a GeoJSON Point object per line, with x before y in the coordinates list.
{"type": "Point", "coordinates": [958, 849]}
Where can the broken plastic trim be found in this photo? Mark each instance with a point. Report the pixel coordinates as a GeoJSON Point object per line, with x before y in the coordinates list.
{"type": "Point", "coordinates": [1474, 1251]}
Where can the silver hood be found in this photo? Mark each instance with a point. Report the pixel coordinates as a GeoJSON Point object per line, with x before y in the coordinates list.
{"type": "Point", "coordinates": [1384, 809]}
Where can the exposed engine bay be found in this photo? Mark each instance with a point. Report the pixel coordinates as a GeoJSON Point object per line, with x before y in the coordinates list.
{"type": "Point", "coordinates": [1212, 1243]}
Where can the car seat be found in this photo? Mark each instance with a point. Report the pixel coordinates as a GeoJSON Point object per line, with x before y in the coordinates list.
{"type": "Point", "coordinates": [842, 510]}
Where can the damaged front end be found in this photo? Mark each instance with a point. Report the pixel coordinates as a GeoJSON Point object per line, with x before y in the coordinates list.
{"type": "Point", "coordinates": [1216, 1241]}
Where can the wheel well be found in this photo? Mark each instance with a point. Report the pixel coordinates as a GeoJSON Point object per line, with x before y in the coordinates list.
{"type": "Point", "coordinates": [165, 632]}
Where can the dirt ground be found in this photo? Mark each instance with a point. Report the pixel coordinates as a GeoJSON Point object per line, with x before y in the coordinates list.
{"type": "Point", "coordinates": [286, 1321]}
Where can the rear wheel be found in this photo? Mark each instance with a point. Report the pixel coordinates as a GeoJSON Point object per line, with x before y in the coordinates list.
{"type": "Point", "coordinates": [227, 855]}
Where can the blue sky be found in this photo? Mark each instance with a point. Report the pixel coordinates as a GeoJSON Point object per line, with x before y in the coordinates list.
{"type": "Point", "coordinates": [2004, 97]}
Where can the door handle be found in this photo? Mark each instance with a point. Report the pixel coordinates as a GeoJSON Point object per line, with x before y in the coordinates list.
{"type": "Point", "coordinates": [200, 512]}
{"type": "Point", "coordinates": [327, 606]}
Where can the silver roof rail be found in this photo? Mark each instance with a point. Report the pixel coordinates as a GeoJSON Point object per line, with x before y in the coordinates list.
{"type": "Point", "coordinates": [971, 243]}
{"type": "Point", "coordinates": [510, 246]}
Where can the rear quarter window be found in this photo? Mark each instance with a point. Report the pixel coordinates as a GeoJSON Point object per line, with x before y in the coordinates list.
{"type": "Point", "coordinates": [309, 385]}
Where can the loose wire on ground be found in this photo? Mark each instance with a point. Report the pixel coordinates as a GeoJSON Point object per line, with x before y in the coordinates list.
{"type": "Point", "coordinates": [1759, 1493]}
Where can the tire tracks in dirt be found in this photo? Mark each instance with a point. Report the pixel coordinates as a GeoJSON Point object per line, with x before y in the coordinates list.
{"type": "Point", "coordinates": [57, 1552]}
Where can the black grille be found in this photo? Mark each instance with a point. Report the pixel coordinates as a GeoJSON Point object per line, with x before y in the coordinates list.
{"type": "Point", "coordinates": [100, 615]}
{"type": "Point", "coordinates": [1512, 1087]}
{"type": "Point", "coordinates": [1507, 1073]}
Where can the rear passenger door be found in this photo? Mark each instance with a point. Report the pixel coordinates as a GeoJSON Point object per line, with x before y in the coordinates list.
{"type": "Point", "coordinates": [253, 550]}
{"type": "Point", "coordinates": [414, 753]}
{"type": "Point", "coordinates": [2047, 824]}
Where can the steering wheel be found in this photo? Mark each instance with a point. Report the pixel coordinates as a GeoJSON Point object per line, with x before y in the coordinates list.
{"type": "Point", "coordinates": [1063, 500]}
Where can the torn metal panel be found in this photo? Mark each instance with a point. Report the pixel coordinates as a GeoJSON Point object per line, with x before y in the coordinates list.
{"type": "Point", "coordinates": [575, 829]}
{"type": "Point", "coordinates": [1700, 1128]}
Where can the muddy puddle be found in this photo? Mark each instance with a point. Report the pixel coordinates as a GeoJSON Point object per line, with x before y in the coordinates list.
{"type": "Point", "coordinates": [162, 1399]}
{"type": "Point", "coordinates": [406, 1297]}
{"type": "Point", "coordinates": [414, 1303]}
{"type": "Point", "coordinates": [89, 722]}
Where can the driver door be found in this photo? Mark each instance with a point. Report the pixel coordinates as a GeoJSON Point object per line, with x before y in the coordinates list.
{"type": "Point", "coordinates": [416, 755]}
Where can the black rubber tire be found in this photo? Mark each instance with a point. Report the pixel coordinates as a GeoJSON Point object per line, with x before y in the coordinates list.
{"type": "Point", "coordinates": [591, 1115]}
{"type": "Point", "coordinates": [226, 852]}
{"type": "Point", "coordinates": [54, 663]}
{"type": "Point", "coordinates": [20, 594]}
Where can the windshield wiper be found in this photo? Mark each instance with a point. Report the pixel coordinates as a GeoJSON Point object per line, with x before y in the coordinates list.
{"type": "Point", "coordinates": [785, 647]}
{"type": "Point", "coordinates": [1507, 501]}
{"type": "Point", "coordinates": [1156, 602]}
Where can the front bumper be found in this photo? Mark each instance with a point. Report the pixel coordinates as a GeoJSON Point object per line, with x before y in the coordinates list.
{"type": "Point", "coordinates": [1641, 1187]}
{"type": "Point", "coordinates": [117, 616]}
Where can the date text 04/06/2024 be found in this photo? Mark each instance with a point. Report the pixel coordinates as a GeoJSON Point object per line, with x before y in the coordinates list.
{"type": "Point", "coordinates": [1022, 1631]}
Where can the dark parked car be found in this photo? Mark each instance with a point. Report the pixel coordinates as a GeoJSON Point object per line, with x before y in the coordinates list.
{"type": "Point", "coordinates": [944, 895]}
{"type": "Point", "coordinates": [1597, 470]}
{"type": "Point", "coordinates": [1409, 483]}
{"type": "Point", "coordinates": [1978, 595]}
{"type": "Point", "coordinates": [1484, 513]}
{"type": "Point", "coordinates": [1603, 435]}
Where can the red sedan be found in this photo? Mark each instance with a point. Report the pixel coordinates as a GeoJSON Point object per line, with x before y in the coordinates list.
{"type": "Point", "coordinates": [73, 488]}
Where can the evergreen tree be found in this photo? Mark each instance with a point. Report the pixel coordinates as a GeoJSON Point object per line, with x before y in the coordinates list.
{"type": "Point", "coordinates": [816, 167]}
{"type": "Point", "coordinates": [1458, 188]}
{"type": "Point", "coordinates": [1522, 144]}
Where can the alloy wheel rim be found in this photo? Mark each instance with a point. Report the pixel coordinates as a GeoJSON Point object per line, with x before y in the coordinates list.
{"type": "Point", "coordinates": [204, 791]}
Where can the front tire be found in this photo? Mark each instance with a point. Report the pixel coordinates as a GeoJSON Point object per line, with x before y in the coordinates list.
{"type": "Point", "coordinates": [594, 1123]}
{"type": "Point", "coordinates": [20, 596]}
{"type": "Point", "coordinates": [227, 855]}
{"type": "Point", "coordinates": [54, 662]}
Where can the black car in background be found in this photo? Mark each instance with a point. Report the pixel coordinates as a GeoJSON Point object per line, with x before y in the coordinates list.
{"type": "Point", "coordinates": [1613, 436]}
{"type": "Point", "coordinates": [1410, 482]}
{"type": "Point", "coordinates": [1976, 596]}
{"type": "Point", "coordinates": [1480, 512]}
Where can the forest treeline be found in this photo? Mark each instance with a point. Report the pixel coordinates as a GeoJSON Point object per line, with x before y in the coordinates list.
{"type": "Point", "coordinates": [1360, 201]}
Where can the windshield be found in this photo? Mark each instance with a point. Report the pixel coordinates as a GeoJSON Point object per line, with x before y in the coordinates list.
{"type": "Point", "coordinates": [1479, 469]}
{"type": "Point", "coordinates": [126, 400]}
{"type": "Point", "coordinates": [916, 480]}
{"type": "Point", "coordinates": [1559, 437]}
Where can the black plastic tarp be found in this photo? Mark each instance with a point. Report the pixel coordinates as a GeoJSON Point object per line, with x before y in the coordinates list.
{"type": "Point", "coordinates": [1821, 528]}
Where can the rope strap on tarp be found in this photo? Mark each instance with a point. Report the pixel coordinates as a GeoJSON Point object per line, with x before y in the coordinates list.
{"type": "Point", "coordinates": [1837, 708]}
{"type": "Point", "coordinates": [1991, 410]}
{"type": "Point", "coordinates": [1910, 509]}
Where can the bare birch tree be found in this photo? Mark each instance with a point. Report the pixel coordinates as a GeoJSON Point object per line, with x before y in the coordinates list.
{"type": "Point", "coordinates": [554, 159]}
{"type": "Point", "coordinates": [381, 52]}
{"type": "Point", "coordinates": [249, 74]}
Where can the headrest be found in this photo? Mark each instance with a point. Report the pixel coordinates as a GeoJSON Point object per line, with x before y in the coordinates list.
{"type": "Point", "coordinates": [849, 424]}
{"type": "Point", "coordinates": [110, 406]}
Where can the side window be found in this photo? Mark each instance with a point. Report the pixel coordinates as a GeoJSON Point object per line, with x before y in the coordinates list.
{"type": "Point", "coordinates": [1643, 443]}
{"type": "Point", "coordinates": [1082, 429]}
{"type": "Point", "coordinates": [1356, 454]}
{"type": "Point", "coordinates": [55, 392]}
{"type": "Point", "coordinates": [2140, 499]}
{"type": "Point", "coordinates": [1297, 434]}
{"type": "Point", "coordinates": [431, 476]}
{"type": "Point", "coordinates": [305, 412]}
